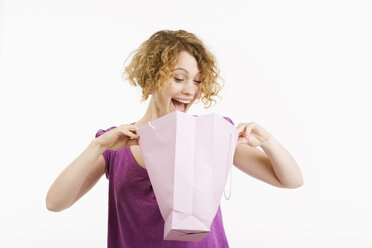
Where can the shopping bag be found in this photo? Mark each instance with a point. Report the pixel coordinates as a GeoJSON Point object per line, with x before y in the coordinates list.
{"type": "Point", "coordinates": [188, 159]}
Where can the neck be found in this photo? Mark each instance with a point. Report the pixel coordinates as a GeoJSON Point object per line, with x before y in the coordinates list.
{"type": "Point", "coordinates": [152, 113]}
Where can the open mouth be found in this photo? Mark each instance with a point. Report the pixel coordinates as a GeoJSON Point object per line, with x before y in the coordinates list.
{"type": "Point", "coordinates": [180, 105]}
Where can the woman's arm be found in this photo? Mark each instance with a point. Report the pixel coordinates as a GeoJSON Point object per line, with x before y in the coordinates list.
{"type": "Point", "coordinates": [77, 178]}
{"type": "Point", "coordinates": [275, 165]}
{"type": "Point", "coordinates": [84, 172]}
{"type": "Point", "coordinates": [284, 165]}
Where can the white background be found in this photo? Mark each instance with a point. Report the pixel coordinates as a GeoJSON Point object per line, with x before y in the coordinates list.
{"type": "Point", "coordinates": [301, 69]}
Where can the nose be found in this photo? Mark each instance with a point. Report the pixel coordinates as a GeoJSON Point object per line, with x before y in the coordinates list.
{"type": "Point", "coordinates": [189, 88]}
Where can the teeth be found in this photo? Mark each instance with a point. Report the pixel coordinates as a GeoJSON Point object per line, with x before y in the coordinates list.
{"type": "Point", "coordinates": [187, 102]}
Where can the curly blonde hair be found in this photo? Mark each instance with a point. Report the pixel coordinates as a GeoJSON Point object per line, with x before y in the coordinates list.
{"type": "Point", "coordinates": [154, 60]}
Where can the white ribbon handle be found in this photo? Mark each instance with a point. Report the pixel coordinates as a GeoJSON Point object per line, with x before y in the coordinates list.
{"type": "Point", "coordinates": [151, 125]}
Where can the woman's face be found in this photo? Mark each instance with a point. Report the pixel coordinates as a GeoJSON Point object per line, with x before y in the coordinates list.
{"type": "Point", "coordinates": [184, 85]}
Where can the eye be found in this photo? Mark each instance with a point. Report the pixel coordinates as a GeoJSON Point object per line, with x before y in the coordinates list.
{"type": "Point", "coordinates": [197, 81]}
{"type": "Point", "coordinates": [178, 79]}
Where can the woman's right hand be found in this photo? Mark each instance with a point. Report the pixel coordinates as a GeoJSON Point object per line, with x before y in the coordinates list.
{"type": "Point", "coordinates": [119, 137]}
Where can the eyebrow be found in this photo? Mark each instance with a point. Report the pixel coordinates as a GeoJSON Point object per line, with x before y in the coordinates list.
{"type": "Point", "coordinates": [183, 69]}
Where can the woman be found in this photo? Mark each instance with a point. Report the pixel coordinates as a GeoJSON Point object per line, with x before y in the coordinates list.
{"type": "Point", "coordinates": [176, 69]}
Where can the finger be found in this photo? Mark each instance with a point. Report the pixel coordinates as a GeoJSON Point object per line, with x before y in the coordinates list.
{"type": "Point", "coordinates": [133, 135]}
{"type": "Point", "coordinates": [248, 133]}
{"type": "Point", "coordinates": [129, 133]}
{"type": "Point", "coordinates": [241, 128]}
{"type": "Point", "coordinates": [124, 126]}
{"type": "Point", "coordinates": [128, 126]}
{"type": "Point", "coordinates": [133, 142]}
{"type": "Point", "coordinates": [133, 129]}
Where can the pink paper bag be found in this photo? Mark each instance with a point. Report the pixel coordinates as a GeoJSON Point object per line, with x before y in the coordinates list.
{"type": "Point", "coordinates": [188, 159]}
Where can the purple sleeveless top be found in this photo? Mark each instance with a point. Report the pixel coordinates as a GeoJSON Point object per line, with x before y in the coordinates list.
{"type": "Point", "coordinates": [134, 219]}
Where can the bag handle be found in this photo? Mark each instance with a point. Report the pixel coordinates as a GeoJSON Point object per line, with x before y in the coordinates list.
{"type": "Point", "coordinates": [151, 125]}
{"type": "Point", "coordinates": [232, 145]}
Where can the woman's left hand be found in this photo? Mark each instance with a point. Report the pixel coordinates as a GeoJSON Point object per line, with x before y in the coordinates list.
{"type": "Point", "coordinates": [252, 134]}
